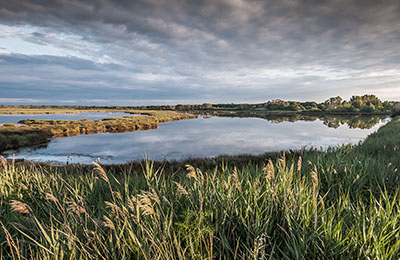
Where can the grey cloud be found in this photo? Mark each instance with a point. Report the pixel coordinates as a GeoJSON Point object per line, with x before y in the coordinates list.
{"type": "Point", "coordinates": [72, 78]}
{"type": "Point", "coordinates": [249, 30]}
{"type": "Point", "coordinates": [190, 40]}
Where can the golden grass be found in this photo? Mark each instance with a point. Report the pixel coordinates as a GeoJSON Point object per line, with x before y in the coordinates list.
{"type": "Point", "coordinates": [35, 131]}
{"type": "Point", "coordinates": [53, 110]}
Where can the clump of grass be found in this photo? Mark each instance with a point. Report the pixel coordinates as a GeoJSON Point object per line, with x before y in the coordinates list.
{"type": "Point", "coordinates": [8, 125]}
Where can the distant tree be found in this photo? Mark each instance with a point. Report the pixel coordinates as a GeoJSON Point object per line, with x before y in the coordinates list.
{"type": "Point", "coordinates": [333, 103]}
{"type": "Point", "coordinates": [309, 105]}
{"type": "Point", "coordinates": [370, 101]}
{"type": "Point", "coordinates": [206, 106]}
{"type": "Point", "coordinates": [356, 101]}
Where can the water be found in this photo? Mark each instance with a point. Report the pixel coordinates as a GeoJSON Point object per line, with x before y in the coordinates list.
{"type": "Point", "coordinates": [14, 119]}
{"type": "Point", "coordinates": [199, 138]}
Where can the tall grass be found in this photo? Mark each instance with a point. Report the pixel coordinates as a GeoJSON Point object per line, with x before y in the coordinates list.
{"type": "Point", "coordinates": [341, 204]}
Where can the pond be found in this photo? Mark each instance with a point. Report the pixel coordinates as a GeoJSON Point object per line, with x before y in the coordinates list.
{"type": "Point", "coordinates": [15, 118]}
{"type": "Point", "coordinates": [202, 137]}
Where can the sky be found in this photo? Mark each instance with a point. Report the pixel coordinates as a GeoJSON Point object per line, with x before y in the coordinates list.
{"type": "Point", "coordinates": [142, 52]}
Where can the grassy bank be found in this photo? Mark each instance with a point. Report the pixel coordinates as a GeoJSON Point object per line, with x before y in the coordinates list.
{"type": "Point", "coordinates": [342, 204]}
{"type": "Point", "coordinates": [35, 131]}
{"type": "Point", "coordinates": [13, 110]}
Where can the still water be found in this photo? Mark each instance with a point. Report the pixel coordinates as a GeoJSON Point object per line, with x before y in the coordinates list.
{"type": "Point", "coordinates": [14, 119]}
{"type": "Point", "coordinates": [202, 137]}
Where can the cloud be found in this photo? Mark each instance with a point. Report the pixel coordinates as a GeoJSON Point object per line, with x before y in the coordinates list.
{"type": "Point", "coordinates": [209, 50]}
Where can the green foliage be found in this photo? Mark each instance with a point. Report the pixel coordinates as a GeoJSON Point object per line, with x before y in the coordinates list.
{"type": "Point", "coordinates": [339, 204]}
{"type": "Point", "coordinates": [333, 103]}
{"type": "Point", "coordinates": [366, 101]}
{"type": "Point", "coordinates": [357, 104]}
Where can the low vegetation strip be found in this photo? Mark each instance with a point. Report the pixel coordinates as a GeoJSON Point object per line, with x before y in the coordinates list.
{"type": "Point", "coordinates": [339, 204]}
{"type": "Point", "coordinates": [356, 105]}
{"type": "Point", "coordinates": [13, 110]}
{"type": "Point", "coordinates": [35, 132]}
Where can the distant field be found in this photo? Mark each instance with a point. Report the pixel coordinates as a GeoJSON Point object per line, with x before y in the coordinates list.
{"type": "Point", "coordinates": [53, 110]}
{"type": "Point", "coordinates": [342, 204]}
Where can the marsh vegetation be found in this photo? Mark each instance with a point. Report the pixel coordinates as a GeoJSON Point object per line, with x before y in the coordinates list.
{"type": "Point", "coordinates": [36, 131]}
{"type": "Point", "coordinates": [340, 204]}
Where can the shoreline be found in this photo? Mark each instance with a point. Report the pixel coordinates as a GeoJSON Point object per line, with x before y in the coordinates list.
{"type": "Point", "coordinates": [36, 131]}
{"type": "Point", "coordinates": [355, 124]}
{"type": "Point", "coordinates": [240, 159]}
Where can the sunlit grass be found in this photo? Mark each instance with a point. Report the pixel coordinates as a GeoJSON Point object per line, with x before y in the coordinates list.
{"type": "Point", "coordinates": [35, 131]}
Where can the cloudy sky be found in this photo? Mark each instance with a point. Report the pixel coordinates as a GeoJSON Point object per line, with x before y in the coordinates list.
{"type": "Point", "coordinates": [132, 52]}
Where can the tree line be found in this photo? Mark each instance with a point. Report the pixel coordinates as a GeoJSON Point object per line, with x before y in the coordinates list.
{"type": "Point", "coordinates": [363, 104]}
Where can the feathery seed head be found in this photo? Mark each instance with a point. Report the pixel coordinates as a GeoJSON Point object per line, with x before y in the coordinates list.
{"type": "Point", "coordinates": [314, 176]}
{"type": "Point", "coordinates": [153, 195]}
{"type": "Point", "coordinates": [51, 197]}
{"type": "Point", "coordinates": [3, 162]}
{"type": "Point", "coordinates": [269, 170]}
{"type": "Point", "coordinates": [180, 189]}
{"type": "Point", "coordinates": [101, 172]}
{"type": "Point", "coordinates": [299, 164]}
{"type": "Point", "coordinates": [117, 195]}
{"type": "Point", "coordinates": [145, 204]}
{"type": "Point", "coordinates": [108, 223]}
{"type": "Point", "coordinates": [283, 160]}
{"type": "Point", "coordinates": [115, 210]}
{"type": "Point", "coordinates": [22, 186]}
{"type": "Point", "coordinates": [75, 208]}
{"type": "Point", "coordinates": [191, 172]}
{"type": "Point", "coordinates": [235, 179]}
{"type": "Point", "coordinates": [20, 207]}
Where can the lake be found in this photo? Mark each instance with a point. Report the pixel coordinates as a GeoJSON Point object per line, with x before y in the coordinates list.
{"type": "Point", "coordinates": [203, 137]}
{"type": "Point", "coordinates": [15, 118]}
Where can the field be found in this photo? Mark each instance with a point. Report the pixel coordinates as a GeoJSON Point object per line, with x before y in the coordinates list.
{"type": "Point", "coordinates": [342, 204]}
